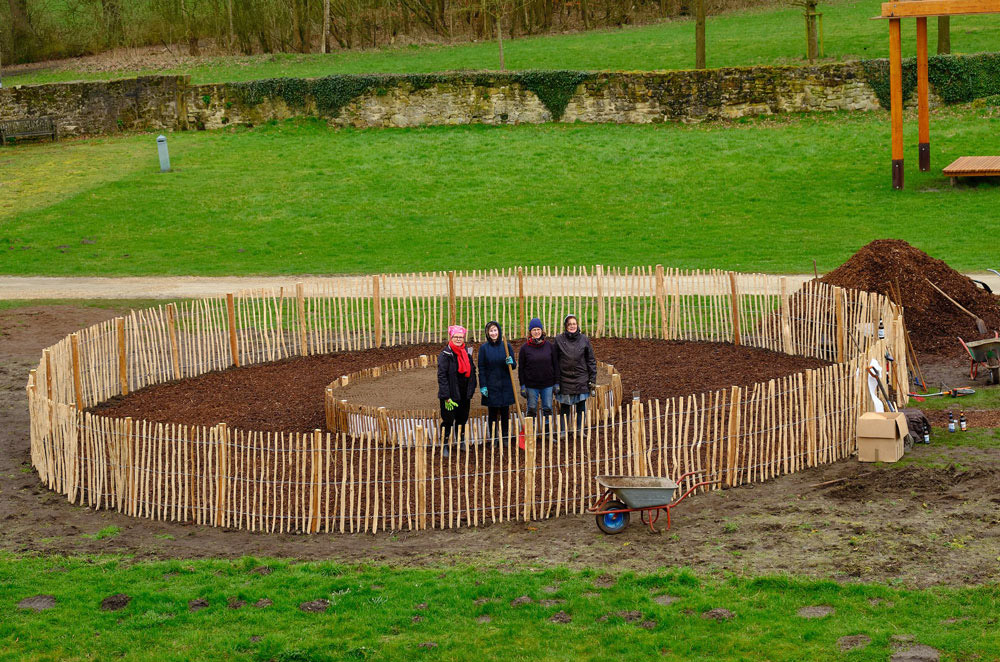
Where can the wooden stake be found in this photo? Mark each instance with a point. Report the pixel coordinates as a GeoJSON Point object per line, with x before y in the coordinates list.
{"type": "Point", "coordinates": [735, 305]}
{"type": "Point", "coordinates": [896, 100]}
{"type": "Point", "coordinates": [522, 319]}
{"type": "Point", "coordinates": [377, 311]}
{"type": "Point", "coordinates": [175, 355]}
{"type": "Point", "coordinates": [452, 312]}
{"type": "Point", "coordinates": [234, 352]}
{"type": "Point", "coordinates": [599, 275]}
{"type": "Point", "coordinates": [838, 302]}
{"type": "Point", "coordinates": [77, 384]}
{"type": "Point", "coordinates": [300, 307]}
{"type": "Point", "coordinates": [734, 430]}
{"type": "Point", "coordinates": [122, 365]}
{"type": "Point", "coordinates": [661, 296]}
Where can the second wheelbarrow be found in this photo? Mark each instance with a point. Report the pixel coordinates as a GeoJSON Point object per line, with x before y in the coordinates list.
{"type": "Point", "coordinates": [647, 495]}
{"type": "Point", "coordinates": [984, 352]}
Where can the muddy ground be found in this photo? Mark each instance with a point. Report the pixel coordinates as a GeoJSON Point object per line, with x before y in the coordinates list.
{"type": "Point", "coordinates": [921, 522]}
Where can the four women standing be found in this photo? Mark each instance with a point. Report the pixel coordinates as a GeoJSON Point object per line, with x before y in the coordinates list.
{"type": "Point", "coordinates": [564, 368]}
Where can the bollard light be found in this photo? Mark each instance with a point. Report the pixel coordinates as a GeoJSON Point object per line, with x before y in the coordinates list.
{"type": "Point", "coordinates": [161, 148]}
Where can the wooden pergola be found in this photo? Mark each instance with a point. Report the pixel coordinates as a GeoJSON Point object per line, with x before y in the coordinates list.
{"type": "Point", "coordinates": [920, 10]}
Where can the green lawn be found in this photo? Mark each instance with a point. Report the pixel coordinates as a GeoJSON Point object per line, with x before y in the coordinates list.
{"type": "Point", "coordinates": [765, 36]}
{"type": "Point", "coordinates": [381, 613]}
{"type": "Point", "coordinates": [299, 198]}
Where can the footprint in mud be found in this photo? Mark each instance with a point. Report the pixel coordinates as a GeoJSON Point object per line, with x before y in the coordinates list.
{"type": "Point", "coordinates": [560, 617]}
{"type": "Point", "coordinates": [115, 602]}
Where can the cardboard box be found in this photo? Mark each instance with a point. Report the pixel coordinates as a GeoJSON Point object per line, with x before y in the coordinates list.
{"type": "Point", "coordinates": [880, 436]}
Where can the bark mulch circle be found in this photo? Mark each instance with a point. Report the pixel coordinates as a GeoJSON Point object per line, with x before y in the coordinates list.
{"type": "Point", "coordinates": [115, 602]}
{"type": "Point", "coordinates": [197, 605]}
{"type": "Point", "coordinates": [560, 617]}
{"type": "Point", "coordinates": [718, 614]}
{"type": "Point", "coordinates": [853, 641]}
{"type": "Point", "coordinates": [263, 603]}
{"type": "Point", "coordinates": [287, 396]}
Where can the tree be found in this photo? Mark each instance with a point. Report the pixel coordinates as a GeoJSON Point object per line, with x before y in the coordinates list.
{"type": "Point", "coordinates": [699, 35]}
{"type": "Point", "coordinates": [23, 45]}
{"type": "Point", "coordinates": [497, 10]}
{"type": "Point", "coordinates": [812, 41]}
{"type": "Point", "coordinates": [944, 35]}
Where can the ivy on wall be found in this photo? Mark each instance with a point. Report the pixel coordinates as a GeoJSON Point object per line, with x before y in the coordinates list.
{"type": "Point", "coordinates": [955, 78]}
{"type": "Point", "coordinates": [331, 93]}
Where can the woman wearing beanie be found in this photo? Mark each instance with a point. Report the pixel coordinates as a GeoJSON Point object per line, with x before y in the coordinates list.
{"type": "Point", "coordinates": [538, 370]}
{"type": "Point", "coordinates": [577, 371]}
{"type": "Point", "coordinates": [495, 355]}
{"type": "Point", "coordinates": [456, 384]}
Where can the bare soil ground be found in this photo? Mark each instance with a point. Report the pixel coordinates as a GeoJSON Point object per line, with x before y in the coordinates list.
{"type": "Point", "coordinates": [288, 395]}
{"type": "Point", "coordinates": [930, 520]}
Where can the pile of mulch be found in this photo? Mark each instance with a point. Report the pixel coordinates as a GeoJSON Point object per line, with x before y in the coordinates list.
{"type": "Point", "coordinates": [287, 396]}
{"type": "Point", "coordinates": [932, 320]}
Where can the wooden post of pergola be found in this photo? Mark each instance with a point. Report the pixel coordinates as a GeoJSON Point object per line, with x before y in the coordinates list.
{"type": "Point", "coordinates": [920, 10]}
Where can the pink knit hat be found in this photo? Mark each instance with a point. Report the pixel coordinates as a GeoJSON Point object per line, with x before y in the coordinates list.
{"type": "Point", "coordinates": [454, 328]}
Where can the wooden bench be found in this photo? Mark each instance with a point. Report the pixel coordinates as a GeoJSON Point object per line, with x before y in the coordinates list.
{"type": "Point", "coordinates": [973, 166]}
{"type": "Point", "coordinates": [31, 127]}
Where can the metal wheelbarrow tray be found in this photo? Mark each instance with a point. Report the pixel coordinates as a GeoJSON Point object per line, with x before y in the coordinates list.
{"type": "Point", "coordinates": [643, 494]}
{"type": "Point", "coordinates": [986, 352]}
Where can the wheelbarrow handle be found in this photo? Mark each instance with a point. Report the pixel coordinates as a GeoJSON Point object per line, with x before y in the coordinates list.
{"type": "Point", "coordinates": [690, 473]}
{"type": "Point", "coordinates": [600, 502]}
{"type": "Point", "coordinates": [692, 489]}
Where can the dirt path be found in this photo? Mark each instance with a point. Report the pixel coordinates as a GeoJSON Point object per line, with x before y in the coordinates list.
{"type": "Point", "coordinates": [923, 525]}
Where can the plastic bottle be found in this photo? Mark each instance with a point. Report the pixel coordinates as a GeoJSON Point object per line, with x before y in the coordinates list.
{"type": "Point", "coordinates": [951, 422]}
{"type": "Point", "coordinates": [881, 329]}
{"type": "Point", "coordinates": [962, 422]}
{"type": "Point", "coordinates": [927, 432]}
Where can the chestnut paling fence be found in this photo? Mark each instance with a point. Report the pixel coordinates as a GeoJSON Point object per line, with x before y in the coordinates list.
{"type": "Point", "coordinates": [322, 481]}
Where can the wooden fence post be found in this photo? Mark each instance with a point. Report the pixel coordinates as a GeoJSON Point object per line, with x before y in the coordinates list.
{"type": "Point", "coordinates": [452, 311]}
{"type": "Point", "coordinates": [420, 459]}
{"type": "Point", "coordinates": [838, 301]}
{"type": "Point", "coordinates": [77, 384]}
{"type": "Point", "coordinates": [317, 439]}
{"type": "Point", "coordinates": [221, 435]}
{"type": "Point", "coordinates": [661, 295]}
{"type": "Point", "coordinates": [529, 468]}
{"type": "Point", "coordinates": [735, 304]}
{"type": "Point", "coordinates": [377, 311]}
{"type": "Point", "coordinates": [734, 431]}
{"type": "Point", "coordinates": [638, 442]}
{"type": "Point", "coordinates": [300, 306]}
{"type": "Point", "coordinates": [599, 275]}
{"type": "Point", "coordinates": [234, 349]}
{"type": "Point", "coordinates": [811, 417]}
{"type": "Point", "coordinates": [175, 353]}
{"type": "Point", "coordinates": [522, 321]}
{"type": "Point", "coordinates": [786, 325]}
{"type": "Point", "coordinates": [122, 364]}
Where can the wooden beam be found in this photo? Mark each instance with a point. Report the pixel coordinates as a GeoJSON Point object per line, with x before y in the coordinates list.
{"type": "Point", "coordinates": [896, 100]}
{"type": "Point", "coordinates": [923, 114]}
{"type": "Point", "coordinates": [912, 9]}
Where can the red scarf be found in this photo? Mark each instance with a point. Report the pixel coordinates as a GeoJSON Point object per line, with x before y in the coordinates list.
{"type": "Point", "coordinates": [464, 367]}
{"type": "Point", "coordinates": [536, 342]}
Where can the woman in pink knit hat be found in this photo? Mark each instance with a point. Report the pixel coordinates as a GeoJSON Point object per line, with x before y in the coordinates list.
{"type": "Point", "coordinates": [456, 385]}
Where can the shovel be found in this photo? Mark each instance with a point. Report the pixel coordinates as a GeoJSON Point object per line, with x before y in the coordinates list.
{"type": "Point", "coordinates": [980, 324]}
{"type": "Point", "coordinates": [517, 403]}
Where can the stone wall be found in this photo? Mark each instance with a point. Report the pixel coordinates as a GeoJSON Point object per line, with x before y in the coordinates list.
{"type": "Point", "coordinates": [150, 103]}
{"type": "Point", "coordinates": [171, 103]}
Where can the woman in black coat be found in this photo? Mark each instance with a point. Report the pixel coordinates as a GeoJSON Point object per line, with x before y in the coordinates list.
{"type": "Point", "coordinates": [456, 384]}
{"type": "Point", "coordinates": [496, 360]}
{"type": "Point", "coordinates": [577, 371]}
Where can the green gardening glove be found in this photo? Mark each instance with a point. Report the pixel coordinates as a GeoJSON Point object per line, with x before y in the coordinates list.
{"type": "Point", "coordinates": [450, 404]}
{"type": "Point", "coordinates": [483, 390]}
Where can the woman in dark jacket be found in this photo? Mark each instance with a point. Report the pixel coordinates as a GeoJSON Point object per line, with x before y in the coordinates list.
{"type": "Point", "coordinates": [456, 384]}
{"type": "Point", "coordinates": [538, 371]}
{"type": "Point", "coordinates": [577, 371]}
{"type": "Point", "coordinates": [496, 360]}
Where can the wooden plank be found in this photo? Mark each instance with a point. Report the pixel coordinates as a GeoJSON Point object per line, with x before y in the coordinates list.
{"type": "Point", "coordinates": [974, 165]}
{"type": "Point", "coordinates": [911, 9]}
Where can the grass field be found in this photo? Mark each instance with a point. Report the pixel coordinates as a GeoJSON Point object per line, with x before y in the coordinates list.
{"type": "Point", "coordinates": [770, 36]}
{"type": "Point", "coordinates": [299, 197]}
{"type": "Point", "coordinates": [380, 613]}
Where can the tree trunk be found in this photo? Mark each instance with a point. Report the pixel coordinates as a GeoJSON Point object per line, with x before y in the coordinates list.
{"type": "Point", "coordinates": [812, 34]}
{"type": "Point", "coordinates": [944, 35]}
{"type": "Point", "coordinates": [23, 45]}
{"type": "Point", "coordinates": [500, 40]}
{"type": "Point", "coordinates": [113, 22]}
{"type": "Point", "coordinates": [326, 26]}
{"type": "Point", "coordinates": [232, 32]}
{"type": "Point", "coordinates": [699, 35]}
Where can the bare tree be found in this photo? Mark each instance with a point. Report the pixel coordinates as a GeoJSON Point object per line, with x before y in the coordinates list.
{"type": "Point", "coordinates": [944, 35]}
{"type": "Point", "coordinates": [699, 35]}
{"type": "Point", "coordinates": [812, 39]}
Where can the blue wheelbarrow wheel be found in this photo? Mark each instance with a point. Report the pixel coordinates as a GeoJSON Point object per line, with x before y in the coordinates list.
{"type": "Point", "coordinates": [612, 523]}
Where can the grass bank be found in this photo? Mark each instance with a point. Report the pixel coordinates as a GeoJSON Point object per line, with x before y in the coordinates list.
{"type": "Point", "coordinates": [381, 613]}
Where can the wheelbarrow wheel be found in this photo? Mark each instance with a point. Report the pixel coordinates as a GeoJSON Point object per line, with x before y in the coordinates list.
{"type": "Point", "coordinates": [612, 523]}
